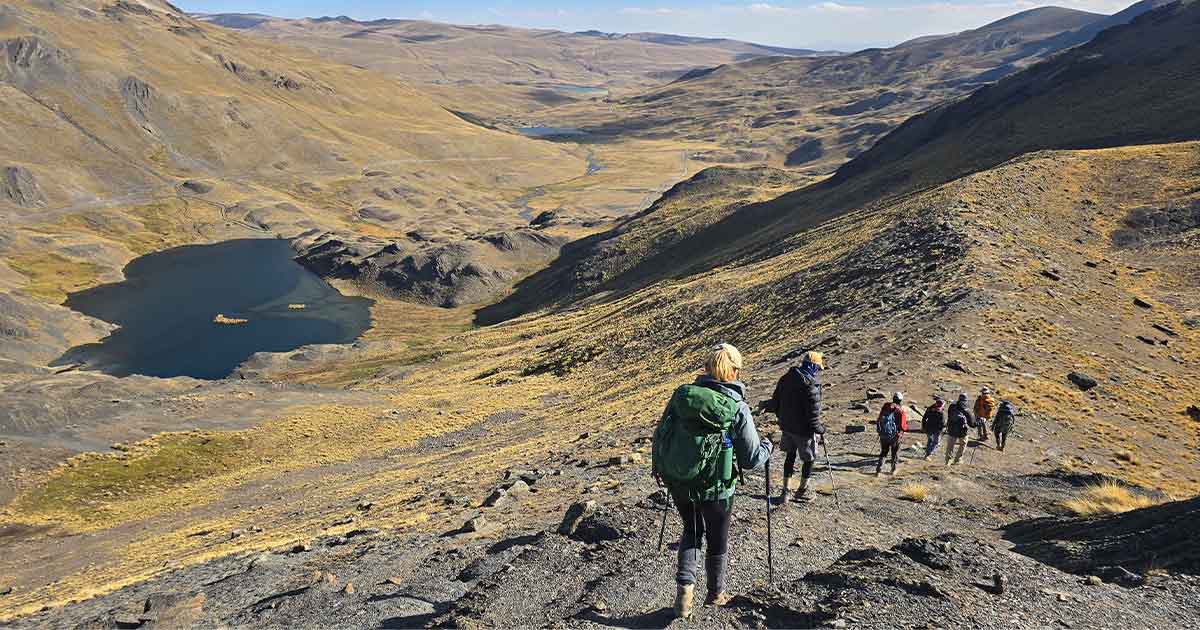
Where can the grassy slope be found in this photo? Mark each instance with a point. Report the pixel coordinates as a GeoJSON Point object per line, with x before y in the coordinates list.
{"type": "Point", "coordinates": [1134, 84]}
{"type": "Point", "coordinates": [905, 283]}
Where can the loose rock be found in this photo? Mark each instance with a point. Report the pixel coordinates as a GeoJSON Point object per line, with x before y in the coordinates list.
{"type": "Point", "coordinates": [574, 515]}
{"type": "Point", "coordinates": [1082, 381]}
{"type": "Point", "coordinates": [477, 524]}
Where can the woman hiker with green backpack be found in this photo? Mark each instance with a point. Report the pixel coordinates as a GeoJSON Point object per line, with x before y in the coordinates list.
{"type": "Point", "coordinates": [706, 427]}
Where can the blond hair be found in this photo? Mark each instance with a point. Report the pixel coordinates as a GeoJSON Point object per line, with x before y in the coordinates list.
{"type": "Point", "coordinates": [724, 363]}
{"type": "Point", "coordinates": [815, 358]}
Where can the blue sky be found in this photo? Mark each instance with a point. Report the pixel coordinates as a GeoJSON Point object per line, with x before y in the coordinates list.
{"type": "Point", "coordinates": [841, 24]}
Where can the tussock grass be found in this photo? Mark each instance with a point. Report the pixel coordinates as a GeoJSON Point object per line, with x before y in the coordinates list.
{"type": "Point", "coordinates": [1106, 498]}
{"type": "Point", "coordinates": [915, 492]}
{"type": "Point", "coordinates": [228, 321]}
{"type": "Point", "coordinates": [52, 277]}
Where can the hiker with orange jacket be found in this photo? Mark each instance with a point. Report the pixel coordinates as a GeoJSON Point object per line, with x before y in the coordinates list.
{"type": "Point", "coordinates": [892, 422]}
{"type": "Point", "coordinates": [985, 408]}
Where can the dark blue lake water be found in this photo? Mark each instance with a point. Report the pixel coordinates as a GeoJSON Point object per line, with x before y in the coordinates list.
{"type": "Point", "coordinates": [166, 305]}
{"type": "Point", "coordinates": [550, 132]}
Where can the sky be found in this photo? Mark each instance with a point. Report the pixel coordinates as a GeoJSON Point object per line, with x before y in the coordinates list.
{"type": "Point", "coordinates": [820, 24]}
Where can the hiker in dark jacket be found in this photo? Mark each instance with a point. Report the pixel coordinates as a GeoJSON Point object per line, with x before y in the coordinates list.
{"type": "Point", "coordinates": [705, 504]}
{"type": "Point", "coordinates": [958, 425]}
{"type": "Point", "coordinates": [797, 404]}
{"type": "Point", "coordinates": [1006, 419]}
{"type": "Point", "coordinates": [933, 423]}
{"type": "Point", "coordinates": [891, 424]}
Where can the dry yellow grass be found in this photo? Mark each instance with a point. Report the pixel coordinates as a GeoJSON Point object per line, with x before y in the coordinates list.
{"type": "Point", "coordinates": [52, 277]}
{"type": "Point", "coordinates": [915, 492]}
{"type": "Point", "coordinates": [228, 321]}
{"type": "Point", "coordinates": [1107, 498]}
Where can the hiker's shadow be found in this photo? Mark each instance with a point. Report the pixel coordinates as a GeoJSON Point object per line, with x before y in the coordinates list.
{"type": "Point", "coordinates": [660, 618]}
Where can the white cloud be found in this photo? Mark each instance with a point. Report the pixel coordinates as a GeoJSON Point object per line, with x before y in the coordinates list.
{"type": "Point", "coordinates": [838, 7]}
{"type": "Point", "coordinates": [647, 11]}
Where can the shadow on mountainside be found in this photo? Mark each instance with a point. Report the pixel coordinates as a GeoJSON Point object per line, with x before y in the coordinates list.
{"type": "Point", "coordinates": [1161, 537]}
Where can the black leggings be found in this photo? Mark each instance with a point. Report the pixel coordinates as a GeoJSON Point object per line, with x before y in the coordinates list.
{"type": "Point", "coordinates": [789, 465]}
{"type": "Point", "coordinates": [709, 519]}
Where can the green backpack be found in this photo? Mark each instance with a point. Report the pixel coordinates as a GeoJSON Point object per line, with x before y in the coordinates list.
{"type": "Point", "coordinates": [691, 451]}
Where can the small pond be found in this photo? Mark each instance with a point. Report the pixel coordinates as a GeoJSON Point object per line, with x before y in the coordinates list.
{"type": "Point", "coordinates": [167, 305]}
{"type": "Point", "coordinates": [550, 132]}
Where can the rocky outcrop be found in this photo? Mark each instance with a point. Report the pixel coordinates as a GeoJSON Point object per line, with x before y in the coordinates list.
{"type": "Point", "coordinates": [18, 186]}
{"type": "Point", "coordinates": [138, 96]}
{"type": "Point", "coordinates": [439, 272]}
{"type": "Point", "coordinates": [29, 57]}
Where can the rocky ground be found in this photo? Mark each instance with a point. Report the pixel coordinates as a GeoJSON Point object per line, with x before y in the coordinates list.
{"type": "Point", "coordinates": [863, 558]}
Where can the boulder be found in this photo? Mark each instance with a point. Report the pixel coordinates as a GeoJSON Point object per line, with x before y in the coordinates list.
{"type": "Point", "coordinates": [476, 525]}
{"type": "Point", "coordinates": [599, 527]}
{"type": "Point", "coordinates": [576, 513]}
{"type": "Point", "coordinates": [544, 218]}
{"type": "Point", "coordinates": [957, 366]}
{"type": "Point", "coordinates": [1121, 577]}
{"type": "Point", "coordinates": [1082, 381]}
{"type": "Point", "coordinates": [197, 186]}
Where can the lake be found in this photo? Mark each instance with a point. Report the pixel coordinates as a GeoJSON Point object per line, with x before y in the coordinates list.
{"type": "Point", "coordinates": [167, 305]}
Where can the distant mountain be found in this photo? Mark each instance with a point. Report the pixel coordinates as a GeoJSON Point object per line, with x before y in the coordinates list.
{"type": "Point", "coordinates": [518, 68]}
{"type": "Point", "coordinates": [1132, 84]}
{"type": "Point", "coordinates": [732, 44]}
{"type": "Point", "coordinates": [814, 113]}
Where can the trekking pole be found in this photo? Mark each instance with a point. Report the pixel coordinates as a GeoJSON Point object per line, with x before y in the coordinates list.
{"type": "Point", "coordinates": [829, 467]}
{"type": "Point", "coordinates": [662, 532]}
{"type": "Point", "coordinates": [770, 545]}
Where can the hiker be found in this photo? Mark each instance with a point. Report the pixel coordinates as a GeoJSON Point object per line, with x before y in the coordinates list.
{"type": "Point", "coordinates": [891, 423]}
{"type": "Point", "coordinates": [985, 406]}
{"type": "Point", "coordinates": [933, 423]}
{"type": "Point", "coordinates": [706, 427]}
{"type": "Point", "coordinates": [1006, 418]}
{"type": "Point", "coordinates": [797, 404]}
{"type": "Point", "coordinates": [958, 426]}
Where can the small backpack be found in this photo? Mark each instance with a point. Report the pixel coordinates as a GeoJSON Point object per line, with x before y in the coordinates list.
{"type": "Point", "coordinates": [692, 449]}
{"type": "Point", "coordinates": [958, 420]}
{"type": "Point", "coordinates": [887, 426]}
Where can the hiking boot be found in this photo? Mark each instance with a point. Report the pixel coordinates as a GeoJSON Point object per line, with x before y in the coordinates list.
{"type": "Point", "coordinates": [783, 493]}
{"type": "Point", "coordinates": [718, 600]}
{"type": "Point", "coordinates": [893, 472]}
{"type": "Point", "coordinates": [683, 600]}
{"type": "Point", "coordinates": [716, 567]}
{"type": "Point", "coordinates": [803, 494]}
